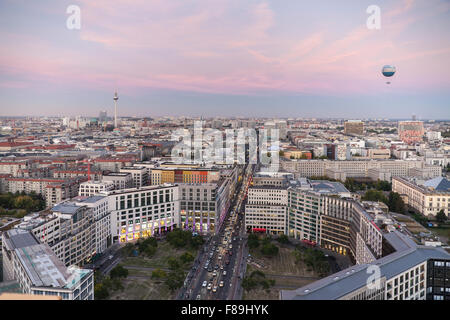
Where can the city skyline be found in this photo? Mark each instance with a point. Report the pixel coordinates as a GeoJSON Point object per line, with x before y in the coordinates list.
{"type": "Point", "coordinates": [226, 58]}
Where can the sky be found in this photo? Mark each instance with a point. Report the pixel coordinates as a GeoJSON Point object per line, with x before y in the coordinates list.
{"type": "Point", "coordinates": [244, 58]}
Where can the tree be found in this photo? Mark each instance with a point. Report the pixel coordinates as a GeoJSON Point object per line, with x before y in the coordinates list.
{"type": "Point", "coordinates": [383, 185]}
{"type": "Point", "coordinates": [128, 250]}
{"type": "Point", "coordinates": [116, 284]}
{"type": "Point", "coordinates": [186, 257]}
{"type": "Point", "coordinates": [118, 272]}
{"type": "Point", "coordinates": [158, 274]}
{"type": "Point", "coordinates": [283, 239]}
{"type": "Point", "coordinates": [396, 203]}
{"type": "Point", "coordinates": [180, 238]}
{"type": "Point", "coordinates": [375, 195]}
{"type": "Point", "coordinates": [249, 283]}
{"type": "Point", "coordinates": [269, 249]}
{"type": "Point", "coordinates": [173, 263]}
{"type": "Point", "coordinates": [441, 217]}
{"type": "Point", "coordinates": [253, 241]}
{"type": "Point", "coordinates": [175, 280]}
{"type": "Point", "coordinates": [150, 251]}
{"type": "Point", "coordinates": [100, 291]}
{"type": "Point", "coordinates": [150, 241]}
{"type": "Point", "coordinates": [196, 242]}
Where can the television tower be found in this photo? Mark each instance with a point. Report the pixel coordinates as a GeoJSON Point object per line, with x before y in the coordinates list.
{"type": "Point", "coordinates": [116, 97]}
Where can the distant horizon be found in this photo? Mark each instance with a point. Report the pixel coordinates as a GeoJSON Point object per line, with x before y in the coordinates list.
{"type": "Point", "coordinates": [111, 118]}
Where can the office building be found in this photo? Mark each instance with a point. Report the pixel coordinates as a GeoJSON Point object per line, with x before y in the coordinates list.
{"type": "Point", "coordinates": [411, 272]}
{"type": "Point", "coordinates": [139, 175]}
{"type": "Point", "coordinates": [68, 229]}
{"type": "Point", "coordinates": [90, 188]}
{"type": "Point", "coordinates": [266, 209]}
{"type": "Point", "coordinates": [121, 180]}
{"type": "Point", "coordinates": [144, 212]}
{"type": "Point", "coordinates": [38, 271]}
{"type": "Point", "coordinates": [426, 197]}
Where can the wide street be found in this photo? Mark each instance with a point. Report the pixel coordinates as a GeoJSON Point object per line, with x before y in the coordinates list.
{"type": "Point", "coordinates": [218, 271]}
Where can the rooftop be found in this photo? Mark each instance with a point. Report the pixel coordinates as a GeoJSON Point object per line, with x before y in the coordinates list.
{"type": "Point", "coordinates": [324, 186]}
{"type": "Point", "coordinates": [91, 199]}
{"type": "Point", "coordinates": [66, 208]}
{"type": "Point", "coordinates": [438, 184]}
{"type": "Point", "coordinates": [337, 285]}
{"type": "Point", "coordinates": [43, 268]}
{"type": "Point", "coordinates": [145, 188]}
{"type": "Point", "coordinates": [20, 238]}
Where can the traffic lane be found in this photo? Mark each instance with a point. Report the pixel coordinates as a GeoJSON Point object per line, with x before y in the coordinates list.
{"type": "Point", "coordinates": [202, 273]}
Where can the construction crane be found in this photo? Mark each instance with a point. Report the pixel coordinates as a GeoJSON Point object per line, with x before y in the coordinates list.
{"type": "Point", "coordinates": [89, 162]}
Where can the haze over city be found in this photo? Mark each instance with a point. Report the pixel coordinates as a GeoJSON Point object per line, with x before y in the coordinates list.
{"type": "Point", "coordinates": [225, 58]}
{"type": "Point", "coordinates": [209, 157]}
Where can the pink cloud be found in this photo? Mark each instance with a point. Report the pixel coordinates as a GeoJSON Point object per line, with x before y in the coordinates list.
{"type": "Point", "coordinates": [204, 49]}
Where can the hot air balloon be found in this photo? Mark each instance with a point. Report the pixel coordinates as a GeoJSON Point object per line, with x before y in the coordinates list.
{"type": "Point", "coordinates": [388, 71]}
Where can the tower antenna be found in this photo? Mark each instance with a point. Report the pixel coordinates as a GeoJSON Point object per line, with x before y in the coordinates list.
{"type": "Point", "coordinates": [116, 97]}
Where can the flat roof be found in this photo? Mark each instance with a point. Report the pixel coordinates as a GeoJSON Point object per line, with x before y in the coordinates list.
{"type": "Point", "coordinates": [145, 188]}
{"type": "Point", "coordinates": [66, 207]}
{"type": "Point", "coordinates": [348, 280]}
{"type": "Point", "coordinates": [91, 199]}
{"type": "Point", "coordinates": [116, 174]}
{"type": "Point", "coordinates": [20, 238]}
{"type": "Point", "coordinates": [325, 186]}
{"type": "Point", "coordinates": [43, 268]}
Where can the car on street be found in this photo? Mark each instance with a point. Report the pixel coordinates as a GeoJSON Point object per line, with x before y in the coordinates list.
{"type": "Point", "coordinates": [224, 273]}
{"type": "Point", "coordinates": [215, 289]}
{"type": "Point", "coordinates": [198, 297]}
{"type": "Point", "coordinates": [204, 283]}
{"type": "Point", "coordinates": [221, 284]}
{"type": "Point", "coordinates": [214, 274]}
{"type": "Point", "coordinates": [209, 286]}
